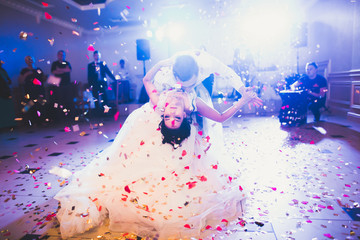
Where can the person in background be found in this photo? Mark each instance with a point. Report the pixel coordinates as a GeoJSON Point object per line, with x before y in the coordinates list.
{"type": "Point", "coordinates": [64, 93]}
{"type": "Point", "coordinates": [32, 80]}
{"type": "Point", "coordinates": [5, 82]}
{"type": "Point", "coordinates": [123, 70]}
{"type": "Point", "coordinates": [315, 86]}
{"type": "Point", "coordinates": [62, 68]}
{"type": "Point", "coordinates": [97, 71]}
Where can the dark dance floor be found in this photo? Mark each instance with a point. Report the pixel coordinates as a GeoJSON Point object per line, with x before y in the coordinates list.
{"type": "Point", "coordinates": [302, 182]}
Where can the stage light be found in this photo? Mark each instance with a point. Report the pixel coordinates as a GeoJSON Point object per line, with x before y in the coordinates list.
{"type": "Point", "coordinates": [149, 34]}
{"type": "Point", "coordinates": [266, 27]}
{"type": "Point", "coordinates": [175, 31]}
{"type": "Point", "coordinates": [160, 34]}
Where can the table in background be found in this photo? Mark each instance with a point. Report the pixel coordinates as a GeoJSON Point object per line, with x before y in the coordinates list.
{"type": "Point", "coordinates": [294, 107]}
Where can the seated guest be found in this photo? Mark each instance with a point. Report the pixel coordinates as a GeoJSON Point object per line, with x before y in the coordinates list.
{"type": "Point", "coordinates": [316, 87]}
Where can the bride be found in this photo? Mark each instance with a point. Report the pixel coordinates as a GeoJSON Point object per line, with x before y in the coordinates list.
{"type": "Point", "coordinates": [154, 181]}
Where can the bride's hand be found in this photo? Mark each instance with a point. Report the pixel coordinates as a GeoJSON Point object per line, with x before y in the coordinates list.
{"type": "Point", "coordinates": [251, 97]}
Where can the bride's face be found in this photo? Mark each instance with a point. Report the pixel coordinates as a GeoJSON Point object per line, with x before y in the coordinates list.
{"type": "Point", "coordinates": [174, 113]}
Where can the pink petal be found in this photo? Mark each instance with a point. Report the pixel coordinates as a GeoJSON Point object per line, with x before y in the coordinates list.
{"type": "Point", "coordinates": [48, 16]}
{"type": "Point", "coordinates": [328, 235]}
{"type": "Point", "coordinates": [91, 48]}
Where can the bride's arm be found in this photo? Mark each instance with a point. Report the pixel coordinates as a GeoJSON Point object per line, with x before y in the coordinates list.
{"type": "Point", "coordinates": [148, 80]}
{"type": "Point", "coordinates": [209, 112]}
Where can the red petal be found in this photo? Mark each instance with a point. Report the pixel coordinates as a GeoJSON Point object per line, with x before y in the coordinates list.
{"type": "Point", "coordinates": [116, 116]}
{"type": "Point", "coordinates": [45, 4]}
{"type": "Point", "coordinates": [328, 235]}
{"type": "Point", "coordinates": [191, 184]}
{"type": "Point", "coordinates": [36, 82]}
{"type": "Point", "coordinates": [127, 189]}
{"type": "Point", "coordinates": [187, 226]}
{"type": "Point", "coordinates": [183, 153]}
{"type": "Point", "coordinates": [91, 48]}
{"type": "Point", "coordinates": [48, 16]}
{"type": "Point", "coordinates": [202, 178]}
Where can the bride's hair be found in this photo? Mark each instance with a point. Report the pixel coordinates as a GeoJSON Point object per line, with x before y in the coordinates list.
{"type": "Point", "coordinates": [175, 136]}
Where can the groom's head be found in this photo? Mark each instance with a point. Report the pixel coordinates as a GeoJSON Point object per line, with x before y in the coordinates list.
{"type": "Point", "coordinates": [185, 70]}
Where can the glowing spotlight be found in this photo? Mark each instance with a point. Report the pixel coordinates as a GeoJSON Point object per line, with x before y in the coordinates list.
{"type": "Point", "coordinates": [267, 25]}
{"type": "Point", "coordinates": [160, 34]}
{"type": "Point", "coordinates": [149, 34]}
{"type": "Point", "coordinates": [175, 31]}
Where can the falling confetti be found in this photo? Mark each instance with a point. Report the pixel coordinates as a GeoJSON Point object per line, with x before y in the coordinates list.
{"type": "Point", "coordinates": [48, 16]}
{"type": "Point", "coordinates": [23, 35]}
{"type": "Point", "coordinates": [75, 33]}
{"type": "Point", "coordinates": [91, 48]}
{"type": "Point", "coordinates": [51, 41]}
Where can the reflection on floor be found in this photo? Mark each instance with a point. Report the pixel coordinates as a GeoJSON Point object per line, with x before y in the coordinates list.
{"type": "Point", "coordinates": [302, 182]}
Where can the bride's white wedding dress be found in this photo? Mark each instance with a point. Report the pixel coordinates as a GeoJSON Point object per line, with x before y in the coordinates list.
{"type": "Point", "coordinates": [149, 188]}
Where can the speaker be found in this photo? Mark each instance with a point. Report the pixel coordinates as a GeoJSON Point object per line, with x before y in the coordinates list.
{"type": "Point", "coordinates": [142, 49]}
{"type": "Point", "coordinates": [299, 35]}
